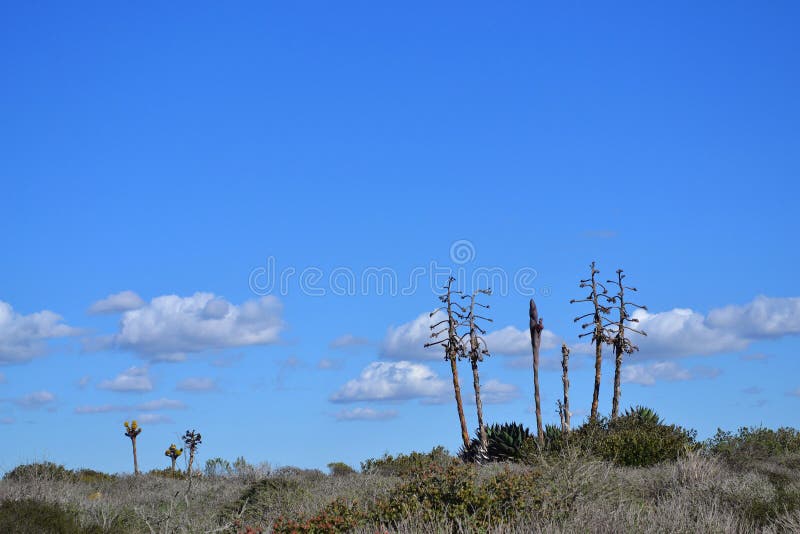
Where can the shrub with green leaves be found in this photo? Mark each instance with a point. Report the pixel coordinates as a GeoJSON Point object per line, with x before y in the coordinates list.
{"type": "Point", "coordinates": [754, 443]}
{"type": "Point", "coordinates": [638, 438]}
{"type": "Point", "coordinates": [339, 469]}
{"type": "Point", "coordinates": [405, 464]}
{"type": "Point", "coordinates": [37, 517]}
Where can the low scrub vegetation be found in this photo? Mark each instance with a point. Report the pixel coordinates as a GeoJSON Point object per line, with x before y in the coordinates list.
{"type": "Point", "coordinates": [634, 473]}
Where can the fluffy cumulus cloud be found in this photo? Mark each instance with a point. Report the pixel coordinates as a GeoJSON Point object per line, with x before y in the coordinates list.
{"type": "Point", "coordinates": [24, 337]}
{"type": "Point", "coordinates": [170, 326]}
{"type": "Point", "coordinates": [763, 317]}
{"type": "Point", "coordinates": [407, 341]}
{"type": "Point", "coordinates": [683, 332]}
{"type": "Point", "coordinates": [134, 379]}
{"type": "Point", "coordinates": [392, 381]}
{"type": "Point", "coordinates": [197, 384]}
{"type": "Point", "coordinates": [510, 341]}
{"type": "Point", "coordinates": [35, 400]}
{"type": "Point", "coordinates": [118, 302]}
{"type": "Point", "coordinates": [365, 414]}
{"type": "Point", "coordinates": [650, 373]}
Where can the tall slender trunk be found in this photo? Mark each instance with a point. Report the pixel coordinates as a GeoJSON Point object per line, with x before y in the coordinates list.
{"type": "Point", "coordinates": [598, 362]}
{"type": "Point", "coordinates": [617, 388]}
{"type": "Point", "coordinates": [476, 383]}
{"type": "Point", "coordinates": [135, 459]}
{"type": "Point", "coordinates": [189, 467]}
{"type": "Point", "coordinates": [565, 379]}
{"type": "Point", "coordinates": [173, 465]}
{"type": "Point", "coordinates": [536, 341]}
{"type": "Point", "coordinates": [459, 404]}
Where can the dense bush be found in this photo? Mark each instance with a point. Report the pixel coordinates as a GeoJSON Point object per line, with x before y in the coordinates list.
{"type": "Point", "coordinates": [37, 517]}
{"type": "Point", "coordinates": [39, 471]}
{"type": "Point", "coordinates": [753, 443]}
{"type": "Point", "coordinates": [638, 438]}
{"type": "Point", "coordinates": [405, 464]}
{"type": "Point", "coordinates": [339, 469]}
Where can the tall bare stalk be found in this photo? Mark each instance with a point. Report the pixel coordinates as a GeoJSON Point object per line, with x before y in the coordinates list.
{"type": "Point", "coordinates": [598, 332]}
{"type": "Point", "coordinates": [477, 350]}
{"type": "Point", "coordinates": [536, 327]}
{"type": "Point", "coordinates": [453, 347]}
{"type": "Point", "coordinates": [565, 413]}
{"type": "Point", "coordinates": [622, 345]}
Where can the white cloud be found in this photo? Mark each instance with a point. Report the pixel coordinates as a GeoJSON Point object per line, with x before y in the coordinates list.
{"type": "Point", "coordinates": [348, 341]}
{"type": "Point", "coordinates": [24, 337]}
{"type": "Point", "coordinates": [118, 302]}
{"type": "Point", "coordinates": [365, 414]}
{"type": "Point", "coordinates": [407, 341]}
{"type": "Point", "coordinates": [511, 341]}
{"type": "Point", "coordinates": [682, 332]}
{"type": "Point", "coordinates": [794, 393]}
{"type": "Point", "coordinates": [392, 381]}
{"type": "Point", "coordinates": [494, 392]}
{"type": "Point", "coordinates": [649, 374]}
{"type": "Point", "coordinates": [84, 381]}
{"type": "Point", "coordinates": [752, 390]}
{"type": "Point", "coordinates": [162, 404]}
{"type": "Point", "coordinates": [105, 408]}
{"type": "Point", "coordinates": [328, 363]}
{"type": "Point", "coordinates": [171, 326]}
{"type": "Point", "coordinates": [154, 419]}
{"type": "Point", "coordinates": [35, 400]}
{"type": "Point", "coordinates": [763, 317]}
{"type": "Point", "coordinates": [197, 384]}
{"type": "Point", "coordinates": [132, 379]}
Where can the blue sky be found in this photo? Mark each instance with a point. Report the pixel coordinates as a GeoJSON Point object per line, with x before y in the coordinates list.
{"type": "Point", "coordinates": [158, 161]}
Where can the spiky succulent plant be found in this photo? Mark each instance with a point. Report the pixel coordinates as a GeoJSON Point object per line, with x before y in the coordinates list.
{"type": "Point", "coordinates": [642, 415]}
{"type": "Point", "coordinates": [505, 443]}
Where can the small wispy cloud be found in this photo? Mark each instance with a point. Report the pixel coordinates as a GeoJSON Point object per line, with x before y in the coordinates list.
{"type": "Point", "coordinates": [116, 303]}
{"type": "Point", "coordinates": [330, 364]}
{"type": "Point", "coordinates": [131, 380]}
{"type": "Point", "coordinates": [154, 419]}
{"type": "Point", "coordinates": [197, 384]}
{"type": "Point", "coordinates": [35, 400]}
{"type": "Point", "coordinates": [348, 341]}
{"type": "Point", "coordinates": [365, 414]}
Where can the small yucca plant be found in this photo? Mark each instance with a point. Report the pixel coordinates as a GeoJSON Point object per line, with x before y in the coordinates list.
{"type": "Point", "coordinates": [172, 453]}
{"type": "Point", "coordinates": [132, 430]}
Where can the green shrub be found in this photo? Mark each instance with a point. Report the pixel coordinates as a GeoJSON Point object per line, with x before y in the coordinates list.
{"type": "Point", "coordinates": [405, 464]}
{"type": "Point", "coordinates": [754, 443]}
{"type": "Point", "coordinates": [339, 469]}
{"type": "Point", "coordinates": [167, 473]}
{"type": "Point", "coordinates": [39, 471]}
{"type": "Point", "coordinates": [36, 517]}
{"type": "Point", "coordinates": [633, 442]}
{"type": "Point", "coordinates": [638, 438]}
{"type": "Point", "coordinates": [218, 467]}
{"type": "Point", "coordinates": [456, 495]}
